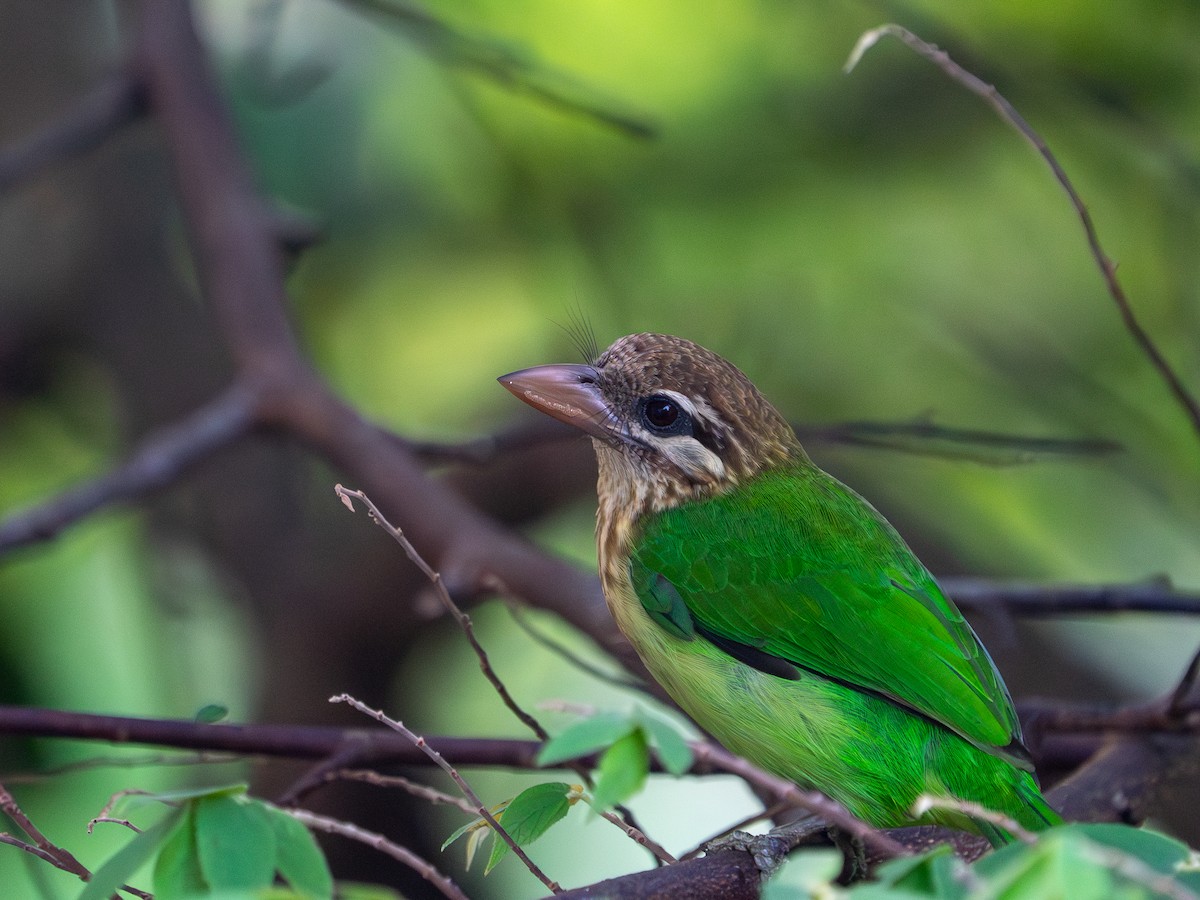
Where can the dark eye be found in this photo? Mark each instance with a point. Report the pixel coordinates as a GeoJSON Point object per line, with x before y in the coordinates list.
{"type": "Point", "coordinates": [665, 416]}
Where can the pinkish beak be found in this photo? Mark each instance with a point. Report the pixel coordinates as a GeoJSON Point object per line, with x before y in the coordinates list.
{"type": "Point", "coordinates": [567, 393]}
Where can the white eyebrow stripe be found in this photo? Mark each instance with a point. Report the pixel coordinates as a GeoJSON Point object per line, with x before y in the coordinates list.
{"type": "Point", "coordinates": [697, 408]}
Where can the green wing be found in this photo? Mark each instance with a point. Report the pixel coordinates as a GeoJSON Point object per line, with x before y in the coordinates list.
{"type": "Point", "coordinates": [794, 567]}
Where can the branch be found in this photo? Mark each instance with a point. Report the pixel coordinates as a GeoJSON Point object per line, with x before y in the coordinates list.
{"type": "Point", "coordinates": [158, 463]}
{"type": "Point", "coordinates": [1023, 598]}
{"type": "Point", "coordinates": [105, 109]}
{"type": "Point", "coordinates": [1009, 114]}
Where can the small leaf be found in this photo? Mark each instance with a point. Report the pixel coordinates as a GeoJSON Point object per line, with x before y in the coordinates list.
{"type": "Point", "coordinates": [121, 865]}
{"type": "Point", "coordinates": [133, 801]}
{"type": "Point", "coordinates": [235, 842]}
{"type": "Point", "coordinates": [937, 873]}
{"type": "Point", "coordinates": [806, 874]}
{"type": "Point", "coordinates": [529, 815]}
{"type": "Point", "coordinates": [477, 837]}
{"type": "Point", "coordinates": [177, 869]}
{"type": "Point", "coordinates": [212, 712]}
{"type": "Point", "coordinates": [474, 824]}
{"type": "Point", "coordinates": [673, 750]}
{"type": "Point", "coordinates": [299, 858]}
{"type": "Point", "coordinates": [584, 737]}
{"type": "Point", "coordinates": [622, 770]}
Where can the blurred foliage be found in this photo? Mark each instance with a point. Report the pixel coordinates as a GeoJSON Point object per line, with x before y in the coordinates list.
{"type": "Point", "coordinates": [872, 246]}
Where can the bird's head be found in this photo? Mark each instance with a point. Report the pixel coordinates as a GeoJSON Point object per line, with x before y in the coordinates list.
{"type": "Point", "coordinates": [671, 420]}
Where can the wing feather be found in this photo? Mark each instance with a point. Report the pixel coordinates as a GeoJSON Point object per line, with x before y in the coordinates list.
{"type": "Point", "coordinates": [796, 566]}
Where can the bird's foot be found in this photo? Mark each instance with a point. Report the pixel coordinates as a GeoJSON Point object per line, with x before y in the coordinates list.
{"type": "Point", "coordinates": [771, 849]}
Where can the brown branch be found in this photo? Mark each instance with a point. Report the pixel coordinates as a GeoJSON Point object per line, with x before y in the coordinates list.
{"type": "Point", "coordinates": [65, 860]}
{"type": "Point", "coordinates": [1008, 113]}
{"type": "Point", "coordinates": [104, 110]}
{"type": "Point", "coordinates": [43, 848]}
{"type": "Point", "coordinates": [377, 747]}
{"type": "Point", "coordinates": [158, 463]}
{"type": "Point", "coordinates": [1022, 598]}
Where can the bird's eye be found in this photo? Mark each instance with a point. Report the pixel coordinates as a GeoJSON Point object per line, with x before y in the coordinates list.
{"type": "Point", "coordinates": [665, 416]}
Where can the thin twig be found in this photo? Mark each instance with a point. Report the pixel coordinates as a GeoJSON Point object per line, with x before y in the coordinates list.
{"type": "Point", "coordinates": [424, 791]}
{"type": "Point", "coordinates": [156, 464]}
{"type": "Point", "coordinates": [1009, 114]}
{"type": "Point", "coordinates": [1030, 599]}
{"type": "Point", "coordinates": [812, 801]}
{"type": "Point", "coordinates": [480, 810]}
{"type": "Point", "coordinates": [421, 866]}
{"type": "Point", "coordinates": [566, 653]}
{"type": "Point", "coordinates": [1175, 703]}
{"type": "Point", "coordinates": [925, 802]}
{"type": "Point", "coordinates": [105, 814]}
{"type": "Point", "coordinates": [96, 115]}
{"type": "Point", "coordinates": [463, 620]}
{"type": "Point", "coordinates": [634, 833]}
{"type": "Point", "coordinates": [8, 805]}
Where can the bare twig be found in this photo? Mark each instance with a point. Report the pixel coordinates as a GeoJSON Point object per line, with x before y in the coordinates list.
{"type": "Point", "coordinates": [66, 860]}
{"type": "Point", "coordinates": [1178, 697]}
{"type": "Point", "coordinates": [95, 116]}
{"type": "Point", "coordinates": [566, 653]}
{"type": "Point", "coordinates": [424, 791]}
{"type": "Point", "coordinates": [421, 866]}
{"type": "Point", "coordinates": [626, 823]}
{"type": "Point", "coordinates": [1022, 598]}
{"type": "Point", "coordinates": [157, 464]}
{"type": "Point", "coordinates": [505, 65]}
{"type": "Point", "coordinates": [105, 814]}
{"type": "Point", "coordinates": [1009, 114]}
{"type": "Point", "coordinates": [812, 801]}
{"type": "Point", "coordinates": [926, 802]}
{"type": "Point", "coordinates": [480, 809]}
{"type": "Point", "coordinates": [463, 620]}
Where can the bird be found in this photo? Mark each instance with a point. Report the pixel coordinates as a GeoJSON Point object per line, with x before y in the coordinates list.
{"type": "Point", "coordinates": [775, 605]}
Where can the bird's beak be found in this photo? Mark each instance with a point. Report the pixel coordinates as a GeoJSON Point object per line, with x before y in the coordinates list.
{"type": "Point", "coordinates": [568, 393]}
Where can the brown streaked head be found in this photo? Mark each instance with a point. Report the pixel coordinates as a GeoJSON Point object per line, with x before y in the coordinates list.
{"type": "Point", "coordinates": [666, 413]}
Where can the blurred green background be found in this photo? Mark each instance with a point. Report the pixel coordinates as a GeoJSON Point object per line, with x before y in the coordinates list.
{"type": "Point", "coordinates": [871, 246]}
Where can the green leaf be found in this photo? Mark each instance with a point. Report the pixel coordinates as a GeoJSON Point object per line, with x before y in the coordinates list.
{"type": "Point", "coordinates": [622, 770]}
{"type": "Point", "coordinates": [673, 750]}
{"type": "Point", "coordinates": [585, 736]}
{"type": "Point", "coordinates": [937, 873]}
{"type": "Point", "coordinates": [806, 874]}
{"type": "Point", "coordinates": [477, 837]}
{"type": "Point", "coordinates": [529, 815]}
{"type": "Point", "coordinates": [299, 858]}
{"type": "Point", "coordinates": [133, 801]}
{"type": "Point", "coordinates": [211, 713]}
{"type": "Point", "coordinates": [177, 870]}
{"type": "Point", "coordinates": [121, 865]}
{"type": "Point", "coordinates": [236, 843]}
